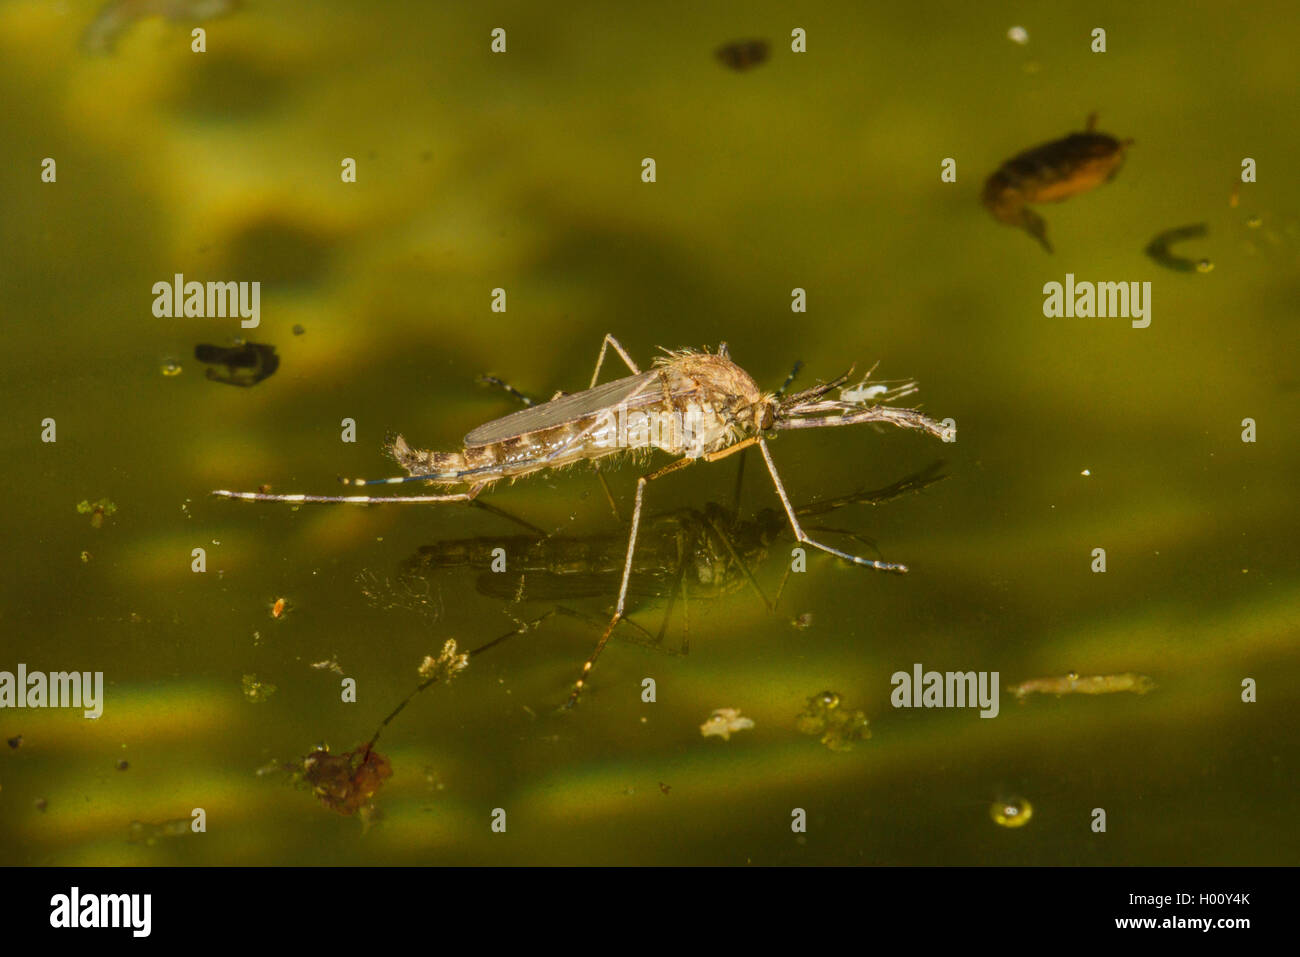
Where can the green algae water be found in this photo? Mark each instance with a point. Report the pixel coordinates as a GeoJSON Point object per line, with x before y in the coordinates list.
{"type": "Point", "coordinates": [1165, 453]}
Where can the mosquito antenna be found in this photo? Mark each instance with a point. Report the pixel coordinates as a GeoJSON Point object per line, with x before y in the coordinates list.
{"type": "Point", "coordinates": [816, 392]}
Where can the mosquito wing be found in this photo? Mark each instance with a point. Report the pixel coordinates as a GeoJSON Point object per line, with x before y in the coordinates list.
{"type": "Point", "coordinates": [632, 392]}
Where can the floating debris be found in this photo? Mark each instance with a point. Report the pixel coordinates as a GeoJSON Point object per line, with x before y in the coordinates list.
{"type": "Point", "coordinates": [723, 722]}
{"type": "Point", "coordinates": [1051, 173]}
{"type": "Point", "coordinates": [244, 365]}
{"type": "Point", "coordinates": [40, 804]}
{"type": "Point", "coordinates": [150, 833]}
{"type": "Point", "coordinates": [1015, 812]}
{"type": "Point", "coordinates": [408, 593]}
{"type": "Point", "coordinates": [1095, 684]}
{"type": "Point", "coordinates": [839, 729]}
{"type": "Point", "coordinates": [257, 691]}
{"type": "Point", "coordinates": [1158, 248]}
{"type": "Point", "coordinates": [98, 511]}
{"type": "Point", "coordinates": [1018, 35]}
{"type": "Point", "coordinates": [862, 392]}
{"type": "Point", "coordinates": [85, 557]}
{"type": "Point", "coordinates": [279, 607]}
{"type": "Point", "coordinates": [742, 54]}
{"type": "Point", "coordinates": [122, 764]}
{"type": "Point", "coordinates": [446, 665]}
{"type": "Point", "coordinates": [328, 665]}
{"type": "Point", "coordinates": [298, 329]}
{"type": "Point", "coordinates": [802, 622]}
{"type": "Point", "coordinates": [345, 782]}
{"type": "Point", "coordinates": [16, 741]}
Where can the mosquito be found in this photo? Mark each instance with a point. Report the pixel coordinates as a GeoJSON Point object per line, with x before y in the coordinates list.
{"type": "Point", "coordinates": [695, 405]}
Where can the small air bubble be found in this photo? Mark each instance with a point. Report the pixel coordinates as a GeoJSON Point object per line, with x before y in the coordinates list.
{"type": "Point", "coordinates": [1255, 222]}
{"type": "Point", "coordinates": [1204, 266]}
{"type": "Point", "coordinates": [171, 367]}
{"type": "Point", "coordinates": [1013, 813]}
{"type": "Point", "coordinates": [1018, 35]}
{"type": "Point", "coordinates": [1086, 472]}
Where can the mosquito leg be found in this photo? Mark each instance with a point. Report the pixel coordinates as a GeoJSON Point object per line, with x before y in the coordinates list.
{"type": "Point", "coordinates": [735, 557]}
{"type": "Point", "coordinates": [524, 627]}
{"type": "Point", "coordinates": [502, 384]}
{"type": "Point", "coordinates": [641, 483]}
{"type": "Point", "coordinates": [731, 449]}
{"type": "Point", "coordinates": [678, 583]}
{"type": "Point", "coordinates": [686, 619]}
{"type": "Point", "coordinates": [353, 499]}
{"type": "Point", "coordinates": [609, 496]}
{"type": "Point", "coordinates": [496, 510]}
{"type": "Point", "coordinates": [649, 639]}
{"type": "Point", "coordinates": [740, 477]}
{"type": "Point", "coordinates": [609, 340]}
{"type": "Point", "coordinates": [781, 588]}
{"type": "Point", "coordinates": [800, 534]}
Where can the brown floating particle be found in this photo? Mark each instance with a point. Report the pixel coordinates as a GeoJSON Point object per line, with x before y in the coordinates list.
{"type": "Point", "coordinates": [742, 54]}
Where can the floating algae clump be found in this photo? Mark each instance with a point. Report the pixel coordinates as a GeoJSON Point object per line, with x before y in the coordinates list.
{"type": "Point", "coordinates": [839, 728]}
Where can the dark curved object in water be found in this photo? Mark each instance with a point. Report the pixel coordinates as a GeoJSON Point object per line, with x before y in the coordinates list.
{"type": "Point", "coordinates": [1158, 248]}
{"type": "Point", "coordinates": [245, 365]}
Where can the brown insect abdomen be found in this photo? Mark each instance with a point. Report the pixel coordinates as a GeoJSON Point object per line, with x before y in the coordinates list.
{"type": "Point", "coordinates": [422, 462]}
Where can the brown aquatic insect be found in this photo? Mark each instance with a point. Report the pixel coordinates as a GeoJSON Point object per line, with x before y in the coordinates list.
{"type": "Point", "coordinates": [1050, 173]}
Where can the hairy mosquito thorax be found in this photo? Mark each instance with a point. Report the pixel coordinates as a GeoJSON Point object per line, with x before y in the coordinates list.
{"type": "Point", "coordinates": [718, 401]}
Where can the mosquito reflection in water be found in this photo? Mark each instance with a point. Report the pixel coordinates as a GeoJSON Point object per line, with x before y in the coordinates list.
{"type": "Point", "coordinates": [685, 555]}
